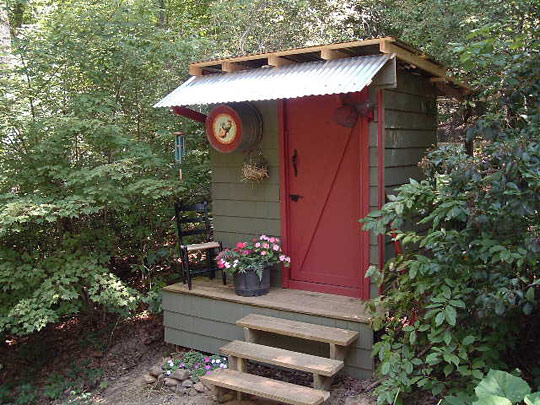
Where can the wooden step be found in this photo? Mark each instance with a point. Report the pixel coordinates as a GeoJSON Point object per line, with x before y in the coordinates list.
{"type": "Point", "coordinates": [284, 358]}
{"type": "Point", "coordinates": [309, 331]}
{"type": "Point", "coordinates": [264, 387]}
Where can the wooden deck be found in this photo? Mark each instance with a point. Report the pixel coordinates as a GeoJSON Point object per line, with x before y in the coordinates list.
{"type": "Point", "coordinates": [303, 302]}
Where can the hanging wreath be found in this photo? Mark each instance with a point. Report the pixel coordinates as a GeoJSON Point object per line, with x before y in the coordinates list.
{"type": "Point", "coordinates": [255, 168]}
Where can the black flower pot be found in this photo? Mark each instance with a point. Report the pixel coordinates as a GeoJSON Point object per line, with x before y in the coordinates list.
{"type": "Point", "coordinates": [248, 284]}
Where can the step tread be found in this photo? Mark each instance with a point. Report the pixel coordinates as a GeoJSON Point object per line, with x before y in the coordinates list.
{"type": "Point", "coordinates": [283, 358]}
{"type": "Point", "coordinates": [265, 387]}
{"type": "Point", "coordinates": [303, 330]}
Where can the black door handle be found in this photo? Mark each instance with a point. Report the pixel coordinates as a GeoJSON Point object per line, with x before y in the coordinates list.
{"type": "Point", "coordinates": [295, 162]}
{"type": "Point", "coordinates": [295, 197]}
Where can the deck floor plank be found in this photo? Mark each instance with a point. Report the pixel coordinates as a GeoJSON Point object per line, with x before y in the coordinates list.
{"type": "Point", "coordinates": [282, 299]}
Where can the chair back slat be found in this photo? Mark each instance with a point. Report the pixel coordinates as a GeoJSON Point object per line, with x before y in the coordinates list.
{"type": "Point", "coordinates": [196, 220]}
{"type": "Point", "coordinates": [199, 231]}
{"type": "Point", "coordinates": [200, 207]}
{"type": "Point", "coordinates": [192, 219]}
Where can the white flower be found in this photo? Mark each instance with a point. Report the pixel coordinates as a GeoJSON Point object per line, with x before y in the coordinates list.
{"type": "Point", "coordinates": [168, 372]}
{"type": "Point", "coordinates": [213, 361]}
{"type": "Point", "coordinates": [218, 361]}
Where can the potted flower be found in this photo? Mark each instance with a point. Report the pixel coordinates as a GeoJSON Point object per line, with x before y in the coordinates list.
{"type": "Point", "coordinates": [250, 263]}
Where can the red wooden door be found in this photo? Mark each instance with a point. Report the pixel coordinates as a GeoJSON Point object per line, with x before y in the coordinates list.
{"type": "Point", "coordinates": [325, 194]}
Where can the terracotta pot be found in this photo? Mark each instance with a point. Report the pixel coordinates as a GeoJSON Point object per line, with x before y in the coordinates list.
{"type": "Point", "coordinates": [248, 284]}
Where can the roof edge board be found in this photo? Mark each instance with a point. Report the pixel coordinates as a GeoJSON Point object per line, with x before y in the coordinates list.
{"type": "Point", "coordinates": [386, 77]}
{"type": "Point", "coordinates": [296, 51]}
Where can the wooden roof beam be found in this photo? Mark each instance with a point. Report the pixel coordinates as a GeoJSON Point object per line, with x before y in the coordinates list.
{"type": "Point", "coordinates": [195, 70]}
{"type": "Point", "coordinates": [233, 67]}
{"type": "Point", "coordinates": [330, 54]}
{"type": "Point", "coordinates": [413, 59]}
{"type": "Point", "coordinates": [277, 61]}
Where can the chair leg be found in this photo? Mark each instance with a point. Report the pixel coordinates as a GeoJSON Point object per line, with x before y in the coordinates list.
{"type": "Point", "coordinates": [223, 274]}
{"type": "Point", "coordinates": [209, 260]}
{"type": "Point", "coordinates": [187, 269]}
{"type": "Point", "coordinates": [182, 265]}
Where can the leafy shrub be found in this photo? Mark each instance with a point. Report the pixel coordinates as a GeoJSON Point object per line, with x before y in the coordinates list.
{"type": "Point", "coordinates": [87, 172]}
{"type": "Point", "coordinates": [499, 388]}
{"type": "Point", "coordinates": [463, 297]}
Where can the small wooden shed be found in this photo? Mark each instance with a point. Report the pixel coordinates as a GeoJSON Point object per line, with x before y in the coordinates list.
{"type": "Point", "coordinates": [342, 124]}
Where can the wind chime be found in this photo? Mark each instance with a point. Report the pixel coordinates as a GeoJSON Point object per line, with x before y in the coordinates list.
{"type": "Point", "coordinates": [179, 151]}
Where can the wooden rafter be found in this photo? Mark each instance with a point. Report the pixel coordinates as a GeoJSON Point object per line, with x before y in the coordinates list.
{"type": "Point", "coordinates": [386, 45]}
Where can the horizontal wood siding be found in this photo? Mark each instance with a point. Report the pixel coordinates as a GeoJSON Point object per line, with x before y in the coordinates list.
{"type": "Point", "coordinates": [243, 210]}
{"type": "Point", "coordinates": [410, 129]}
{"type": "Point", "coordinates": [206, 324]}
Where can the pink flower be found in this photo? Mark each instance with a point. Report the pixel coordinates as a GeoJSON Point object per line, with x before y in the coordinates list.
{"type": "Point", "coordinates": [272, 240]}
{"type": "Point", "coordinates": [263, 237]}
{"type": "Point", "coordinates": [241, 245]}
{"type": "Point", "coordinates": [257, 245]}
{"type": "Point", "coordinates": [207, 360]}
{"type": "Point", "coordinates": [220, 264]}
{"type": "Point", "coordinates": [282, 258]}
{"type": "Point", "coordinates": [264, 253]}
{"type": "Point", "coordinates": [275, 247]}
{"type": "Point", "coordinates": [265, 245]}
{"type": "Point", "coordinates": [208, 367]}
{"type": "Point", "coordinates": [246, 252]}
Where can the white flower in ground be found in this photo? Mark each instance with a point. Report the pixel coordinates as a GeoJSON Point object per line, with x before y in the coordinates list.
{"type": "Point", "coordinates": [168, 372]}
{"type": "Point", "coordinates": [213, 361]}
{"type": "Point", "coordinates": [218, 361]}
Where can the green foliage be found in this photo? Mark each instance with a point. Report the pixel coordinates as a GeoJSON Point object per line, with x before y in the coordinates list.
{"type": "Point", "coordinates": [499, 388]}
{"type": "Point", "coordinates": [464, 295]}
{"type": "Point", "coordinates": [254, 255]}
{"type": "Point", "coordinates": [87, 175]}
{"type": "Point", "coordinates": [197, 363]}
{"type": "Point", "coordinates": [80, 378]}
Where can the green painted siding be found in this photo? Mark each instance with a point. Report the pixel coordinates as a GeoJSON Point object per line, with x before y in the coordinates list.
{"type": "Point", "coordinates": [206, 324]}
{"type": "Point", "coordinates": [410, 128]}
{"type": "Point", "coordinates": [243, 210]}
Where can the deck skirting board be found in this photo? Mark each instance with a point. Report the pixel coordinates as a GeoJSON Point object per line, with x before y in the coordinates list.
{"type": "Point", "coordinates": [207, 324]}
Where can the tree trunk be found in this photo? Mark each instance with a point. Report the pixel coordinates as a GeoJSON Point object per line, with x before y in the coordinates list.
{"type": "Point", "coordinates": [5, 36]}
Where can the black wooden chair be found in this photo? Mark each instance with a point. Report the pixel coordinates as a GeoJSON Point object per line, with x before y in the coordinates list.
{"type": "Point", "coordinates": [193, 223]}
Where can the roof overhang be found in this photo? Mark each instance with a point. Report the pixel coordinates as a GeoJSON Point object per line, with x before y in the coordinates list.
{"type": "Point", "coordinates": [318, 70]}
{"type": "Point", "coordinates": [338, 76]}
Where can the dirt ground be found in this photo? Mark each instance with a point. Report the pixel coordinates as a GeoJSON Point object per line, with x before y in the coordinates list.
{"type": "Point", "coordinates": [104, 364]}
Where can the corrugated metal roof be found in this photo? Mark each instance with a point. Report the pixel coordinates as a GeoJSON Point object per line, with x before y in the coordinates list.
{"type": "Point", "coordinates": [297, 80]}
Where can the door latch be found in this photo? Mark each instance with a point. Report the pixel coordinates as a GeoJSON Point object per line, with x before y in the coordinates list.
{"type": "Point", "coordinates": [295, 197]}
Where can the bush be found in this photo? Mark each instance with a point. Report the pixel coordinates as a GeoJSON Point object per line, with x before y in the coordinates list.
{"type": "Point", "coordinates": [499, 388]}
{"type": "Point", "coordinates": [463, 297]}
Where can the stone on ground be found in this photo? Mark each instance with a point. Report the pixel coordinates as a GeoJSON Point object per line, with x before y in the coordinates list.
{"type": "Point", "coordinates": [187, 383]}
{"type": "Point", "coordinates": [155, 371]}
{"type": "Point", "coordinates": [180, 375]}
{"type": "Point", "coordinates": [148, 379]}
{"type": "Point", "coordinates": [199, 387]}
{"type": "Point", "coordinates": [170, 382]}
